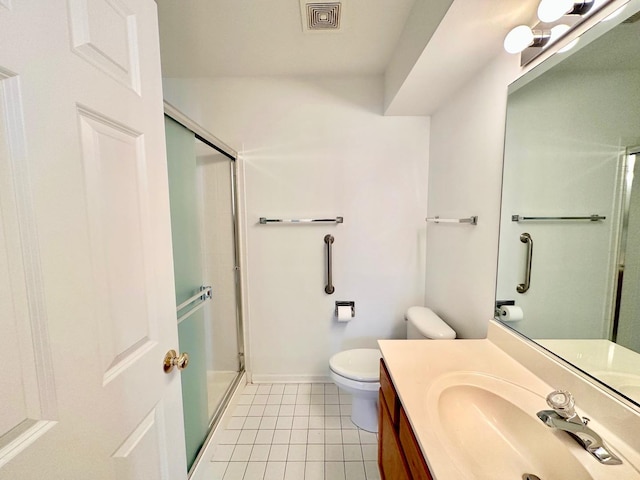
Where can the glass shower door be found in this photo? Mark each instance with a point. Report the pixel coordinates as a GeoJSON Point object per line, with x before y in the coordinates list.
{"type": "Point", "coordinates": [201, 192]}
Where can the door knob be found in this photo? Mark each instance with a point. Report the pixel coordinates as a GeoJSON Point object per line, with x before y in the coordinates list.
{"type": "Point", "coordinates": [172, 359]}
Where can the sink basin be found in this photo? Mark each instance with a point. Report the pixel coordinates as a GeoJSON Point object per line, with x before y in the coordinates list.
{"type": "Point", "coordinates": [489, 429]}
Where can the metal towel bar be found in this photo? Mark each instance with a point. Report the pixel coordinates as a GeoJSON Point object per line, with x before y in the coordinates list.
{"type": "Point", "coordinates": [264, 221]}
{"type": "Point", "coordinates": [205, 293]}
{"type": "Point", "coordinates": [591, 218]}
{"type": "Point", "coordinates": [329, 289]}
{"type": "Point", "coordinates": [523, 287]}
{"type": "Point", "coordinates": [470, 220]}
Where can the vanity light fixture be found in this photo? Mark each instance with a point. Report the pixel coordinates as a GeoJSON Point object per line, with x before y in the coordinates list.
{"type": "Point", "coordinates": [552, 10]}
{"type": "Point", "coordinates": [557, 18]}
{"type": "Point", "coordinates": [523, 36]}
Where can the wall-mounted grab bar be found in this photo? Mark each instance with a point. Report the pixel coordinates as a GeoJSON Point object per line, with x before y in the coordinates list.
{"type": "Point", "coordinates": [329, 289]}
{"type": "Point", "coordinates": [205, 293]}
{"type": "Point", "coordinates": [591, 218]}
{"type": "Point", "coordinates": [523, 287]}
{"type": "Point", "coordinates": [471, 220]}
{"type": "Point", "coordinates": [264, 221]}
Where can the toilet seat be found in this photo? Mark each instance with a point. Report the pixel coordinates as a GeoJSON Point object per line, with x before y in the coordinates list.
{"type": "Point", "coordinates": [359, 364]}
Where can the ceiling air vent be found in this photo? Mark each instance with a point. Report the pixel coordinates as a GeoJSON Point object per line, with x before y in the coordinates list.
{"type": "Point", "coordinates": [321, 16]}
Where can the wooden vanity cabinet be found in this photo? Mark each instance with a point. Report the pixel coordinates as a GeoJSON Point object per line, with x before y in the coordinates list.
{"type": "Point", "coordinates": [399, 455]}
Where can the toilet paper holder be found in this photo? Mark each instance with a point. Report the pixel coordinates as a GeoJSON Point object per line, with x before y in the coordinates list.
{"type": "Point", "coordinates": [346, 304]}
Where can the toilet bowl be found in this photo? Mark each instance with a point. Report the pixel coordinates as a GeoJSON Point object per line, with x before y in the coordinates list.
{"type": "Point", "coordinates": [357, 371]}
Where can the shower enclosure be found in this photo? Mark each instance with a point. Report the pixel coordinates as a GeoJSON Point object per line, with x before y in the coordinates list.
{"type": "Point", "coordinates": [202, 190]}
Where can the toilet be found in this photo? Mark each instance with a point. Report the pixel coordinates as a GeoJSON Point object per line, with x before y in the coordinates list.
{"type": "Point", "coordinates": [357, 371]}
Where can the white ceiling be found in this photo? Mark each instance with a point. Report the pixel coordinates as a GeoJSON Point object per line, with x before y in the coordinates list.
{"type": "Point", "coordinates": [204, 38]}
{"type": "Point", "coordinates": [209, 38]}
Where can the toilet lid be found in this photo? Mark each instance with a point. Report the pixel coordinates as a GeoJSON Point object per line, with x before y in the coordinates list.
{"type": "Point", "coordinates": [361, 364]}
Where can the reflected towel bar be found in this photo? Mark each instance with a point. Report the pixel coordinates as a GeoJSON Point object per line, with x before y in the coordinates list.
{"type": "Point", "coordinates": [205, 293]}
{"type": "Point", "coordinates": [471, 220]}
{"type": "Point", "coordinates": [264, 221]}
{"type": "Point", "coordinates": [591, 218]}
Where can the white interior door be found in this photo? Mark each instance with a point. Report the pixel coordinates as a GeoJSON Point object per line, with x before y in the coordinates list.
{"type": "Point", "coordinates": [87, 309]}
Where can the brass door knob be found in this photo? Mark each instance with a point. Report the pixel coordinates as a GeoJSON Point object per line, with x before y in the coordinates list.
{"type": "Point", "coordinates": [172, 359]}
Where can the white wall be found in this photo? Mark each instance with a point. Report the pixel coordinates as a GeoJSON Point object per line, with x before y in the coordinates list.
{"type": "Point", "coordinates": [320, 148]}
{"type": "Point", "coordinates": [467, 136]}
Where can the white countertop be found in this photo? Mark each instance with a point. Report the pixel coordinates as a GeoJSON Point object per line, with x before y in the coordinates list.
{"type": "Point", "coordinates": [416, 365]}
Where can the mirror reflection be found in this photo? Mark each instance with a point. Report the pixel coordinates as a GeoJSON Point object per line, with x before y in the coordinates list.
{"type": "Point", "coordinates": [572, 149]}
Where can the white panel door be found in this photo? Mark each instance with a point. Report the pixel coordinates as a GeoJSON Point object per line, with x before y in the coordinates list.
{"type": "Point", "coordinates": [87, 305]}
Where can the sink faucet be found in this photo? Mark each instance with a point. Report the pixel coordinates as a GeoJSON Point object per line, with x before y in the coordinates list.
{"type": "Point", "coordinates": [564, 417]}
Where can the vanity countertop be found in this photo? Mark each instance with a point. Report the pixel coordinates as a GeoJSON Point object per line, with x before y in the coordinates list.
{"type": "Point", "coordinates": [418, 367]}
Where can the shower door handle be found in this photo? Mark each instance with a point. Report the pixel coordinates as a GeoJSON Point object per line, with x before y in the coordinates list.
{"type": "Point", "coordinates": [329, 289]}
{"type": "Point", "coordinates": [523, 287]}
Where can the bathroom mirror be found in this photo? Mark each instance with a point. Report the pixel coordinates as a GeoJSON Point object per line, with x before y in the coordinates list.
{"type": "Point", "coordinates": [569, 255]}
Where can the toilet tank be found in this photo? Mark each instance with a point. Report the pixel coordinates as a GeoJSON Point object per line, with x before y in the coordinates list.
{"type": "Point", "coordinates": [423, 323]}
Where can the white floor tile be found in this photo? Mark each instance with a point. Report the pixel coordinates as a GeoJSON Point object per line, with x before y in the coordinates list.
{"type": "Point", "coordinates": [334, 470]}
{"type": "Point", "coordinates": [247, 437]}
{"type": "Point", "coordinates": [229, 437]}
{"type": "Point", "coordinates": [316, 410]}
{"type": "Point", "coordinates": [304, 388]}
{"type": "Point", "coordinates": [278, 453]}
{"type": "Point", "coordinates": [288, 399]}
{"type": "Point", "coordinates": [252, 423]}
{"type": "Point", "coordinates": [214, 470]}
{"type": "Point", "coordinates": [317, 388]}
{"type": "Point", "coordinates": [235, 423]}
{"type": "Point", "coordinates": [284, 423]}
{"type": "Point", "coordinates": [368, 437]}
{"type": "Point", "coordinates": [268, 423]}
{"type": "Point", "coordinates": [350, 436]}
{"type": "Point", "coordinates": [333, 436]}
{"type": "Point", "coordinates": [332, 410]}
{"type": "Point", "coordinates": [297, 453]}
{"type": "Point", "coordinates": [260, 453]}
{"type": "Point", "coordinates": [332, 422]}
{"type": "Point", "coordinates": [300, 423]}
{"type": "Point", "coordinates": [294, 471]}
{"type": "Point", "coordinates": [354, 471]}
{"type": "Point", "coordinates": [331, 388]}
{"type": "Point", "coordinates": [298, 437]}
{"type": "Point", "coordinates": [316, 436]}
{"type": "Point", "coordinates": [274, 471]}
{"type": "Point", "coordinates": [370, 452]}
{"type": "Point", "coordinates": [245, 399]}
{"type": "Point", "coordinates": [315, 453]}
{"type": "Point", "coordinates": [352, 453]}
{"type": "Point", "coordinates": [255, 471]}
{"type": "Point", "coordinates": [260, 399]}
{"type": "Point", "coordinates": [241, 453]}
{"type": "Point", "coordinates": [250, 388]}
{"type": "Point", "coordinates": [314, 471]}
{"type": "Point", "coordinates": [271, 410]}
{"type": "Point", "coordinates": [255, 410]}
{"type": "Point", "coordinates": [241, 411]}
{"type": "Point", "coordinates": [277, 389]}
{"type": "Point", "coordinates": [316, 422]}
{"type": "Point", "coordinates": [287, 410]}
{"type": "Point", "coordinates": [235, 471]}
{"type": "Point", "coordinates": [301, 410]}
{"type": "Point", "coordinates": [264, 389]}
{"type": "Point", "coordinates": [291, 389]}
{"type": "Point", "coordinates": [222, 453]}
{"type": "Point", "coordinates": [274, 399]}
{"type": "Point", "coordinates": [317, 399]}
{"type": "Point", "coordinates": [281, 437]}
{"type": "Point", "coordinates": [331, 400]}
{"type": "Point", "coordinates": [371, 470]}
{"type": "Point", "coordinates": [265, 437]}
{"type": "Point", "coordinates": [303, 399]}
{"type": "Point", "coordinates": [333, 453]}
{"type": "Point", "coordinates": [346, 409]}
{"type": "Point", "coordinates": [347, 423]}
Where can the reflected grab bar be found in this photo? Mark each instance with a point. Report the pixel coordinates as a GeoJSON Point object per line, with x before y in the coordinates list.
{"type": "Point", "coordinates": [205, 293]}
{"type": "Point", "coordinates": [329, 289]}
{"type": "Point", "coordinates": [523, 287]}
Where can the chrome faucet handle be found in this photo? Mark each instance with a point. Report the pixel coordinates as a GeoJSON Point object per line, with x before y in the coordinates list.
{"type": "Point", "coordinates": [562, 403]}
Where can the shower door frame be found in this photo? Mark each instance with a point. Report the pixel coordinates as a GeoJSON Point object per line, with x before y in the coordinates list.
{"type": "Point", "coordinates": [211, 140]}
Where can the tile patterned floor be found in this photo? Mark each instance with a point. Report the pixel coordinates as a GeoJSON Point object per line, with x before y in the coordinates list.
{"type": "Point", "coordinates": [293, 432]}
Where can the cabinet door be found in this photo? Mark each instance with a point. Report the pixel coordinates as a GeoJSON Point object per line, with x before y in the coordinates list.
{"type": "Point", "coordinates": [413, 455]}
{"type": "Point", "coordinates": [390, 459]}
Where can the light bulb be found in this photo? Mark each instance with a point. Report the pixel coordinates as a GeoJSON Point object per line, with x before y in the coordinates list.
{"type": "Point", "coordinates": [557, 32]}
{"type": "Point", "coordinates": [551, 10]}
{"type": "Point", "coordinates": [518, 39]}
